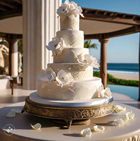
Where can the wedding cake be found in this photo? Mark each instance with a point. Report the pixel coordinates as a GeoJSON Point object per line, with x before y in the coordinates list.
{"type": "Point", "coordinates": [70, 77]}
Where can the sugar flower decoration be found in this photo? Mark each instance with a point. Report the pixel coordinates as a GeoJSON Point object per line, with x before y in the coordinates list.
{"type": "Point", "coordinates": [69, 7]}
{"type": "Point", "coordinates": [119, 108]}
{"type": "Point", "coordinates": [37, 126]}
{"type": "Point", "coordinates": [46, 77]}
{"type": "Point", "coordinates": [86, 132]}
{"type": "Point", "coordinates": [88, 60]}
{"type": "Point", "coordinates": [98, 129]}
{"type": "Point", "coordinates": [106, 93]}
{"type": "Point", "coordinates": [63, 78]}
{"type": "Point", "coordinates": [56, 45]}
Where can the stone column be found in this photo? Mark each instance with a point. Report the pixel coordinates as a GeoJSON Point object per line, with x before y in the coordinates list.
{"type": "Point", "coordinates": [13, 57]}
{"type": "Point", "coordinates": [40, 24]}
{"type": "Point", "coordinates": [103, 61]}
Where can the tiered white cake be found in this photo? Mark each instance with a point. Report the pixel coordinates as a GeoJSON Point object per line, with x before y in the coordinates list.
{"type": "Point", "coordinates": [70, 77]}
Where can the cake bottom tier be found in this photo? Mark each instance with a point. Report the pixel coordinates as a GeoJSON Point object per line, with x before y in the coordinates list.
{"type": "Point", "coordinates": [80, 90]}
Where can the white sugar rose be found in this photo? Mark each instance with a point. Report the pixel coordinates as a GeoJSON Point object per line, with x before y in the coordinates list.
{"type": "Point", "coordinates": [59, 48]}
{"type": "Point", "coordinates": [46, 77]}
{"type": "Point", "coordinates": [56, 45]}
{"type": "Point", "coordinates": [63, 78]}
{"type": "Point", "coordinates": [69, 7]}
{"type": "Point", "coordinates": [88, 60]}
{"type": "Point", "coordinates": [53, 43]}
{"type": "Point", "coordinates": [106, 93]}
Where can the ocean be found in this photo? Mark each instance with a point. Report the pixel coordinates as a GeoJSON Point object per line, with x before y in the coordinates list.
{"type": "Point", "coordinates": [123, 68]}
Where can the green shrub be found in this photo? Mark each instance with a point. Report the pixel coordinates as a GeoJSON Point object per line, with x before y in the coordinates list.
{"type": "Point", "coordinates": [115, 81]}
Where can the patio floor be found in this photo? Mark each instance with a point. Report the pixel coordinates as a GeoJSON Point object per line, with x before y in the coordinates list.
{"type": "Point", "coordinates": [19, 95]}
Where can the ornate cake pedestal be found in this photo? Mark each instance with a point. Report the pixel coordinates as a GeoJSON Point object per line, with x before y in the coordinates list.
{"type": "Point", "coordinates": [49, 131]}
{"type": "Point", "coordinates": [76, 112]}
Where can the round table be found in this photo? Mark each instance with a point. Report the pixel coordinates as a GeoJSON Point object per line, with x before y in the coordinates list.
{"type": "Point", "coordinates": [51, 131]}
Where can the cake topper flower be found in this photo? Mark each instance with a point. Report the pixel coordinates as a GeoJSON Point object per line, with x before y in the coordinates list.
{"type": "Point", "coordinates": [88, 60]}
{"type": "Point", "coordinates": [63, 78]}
{"type": "Point", "coordinates": [69, 7]}
{"type": "Point", "coordinates": [46, 77]}
{"type": "Point", "coordinates": [56, 45]}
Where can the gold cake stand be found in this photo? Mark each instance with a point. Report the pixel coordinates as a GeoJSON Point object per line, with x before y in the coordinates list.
{"type": "Point", "coordinates": [68, 116]}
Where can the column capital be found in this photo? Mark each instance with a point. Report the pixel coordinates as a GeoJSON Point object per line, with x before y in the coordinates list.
{"type": "Point", "coordinates": [103, 40]}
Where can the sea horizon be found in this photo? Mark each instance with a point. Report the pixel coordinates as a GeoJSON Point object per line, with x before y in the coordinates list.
{"type": "Point", "coordinates": [122, 68]}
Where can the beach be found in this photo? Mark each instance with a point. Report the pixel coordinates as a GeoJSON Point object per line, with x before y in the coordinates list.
{"type": "Point", "coordinates": [125, 76]}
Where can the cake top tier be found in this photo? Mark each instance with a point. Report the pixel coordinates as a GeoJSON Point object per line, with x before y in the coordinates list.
{"type": "Point", "coordinates": [69, 15]}
{"type": "Point", "coordinates": [69, 8]}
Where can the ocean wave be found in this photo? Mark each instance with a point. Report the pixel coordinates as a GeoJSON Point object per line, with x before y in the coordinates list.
{"type": "Point", "coordinates": [121, 72]}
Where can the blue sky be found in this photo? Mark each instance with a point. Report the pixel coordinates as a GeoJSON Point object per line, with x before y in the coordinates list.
{"type": "Point", "coordinates": [123, 49]}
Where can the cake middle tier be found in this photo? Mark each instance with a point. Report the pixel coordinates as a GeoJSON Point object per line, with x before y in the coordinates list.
{"type": "Point", "coordinates": [79, 72]}
{"type": "Point", "coordinates": [69, 55]}
{"type": "Point", "coordinates": [72, 38]}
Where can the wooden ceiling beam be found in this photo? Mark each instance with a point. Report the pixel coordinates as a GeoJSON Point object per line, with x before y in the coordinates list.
{"type": "Point", "coordinates": [1, 8]}
{"type": "Point", "coordinates": [114, 18]}
{"type": "Point", "coordinates": [18, 1]}
{"type": "Point", "coordinates": [127, 31]}
{"type": "Point", "coordinates": [11, 13]}
{"type": "Point", "coordinates": [7, 4]}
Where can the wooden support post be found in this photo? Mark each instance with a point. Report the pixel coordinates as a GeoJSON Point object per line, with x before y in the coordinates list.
{"type": "Point", "coordinates": [11, 56]}
{"type": "Point", "coordinates": [103, 61]}
{"type": "Point", "coordinates": [139, 67]}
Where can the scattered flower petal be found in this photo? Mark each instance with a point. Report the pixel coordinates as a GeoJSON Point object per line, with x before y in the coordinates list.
{"type": "Point", "coordinates": [37, 126]}
{"type": "Point", "coordinates": [118, 122]}
{"type": "Point", "coordinates": [98, 129]}
{"type": "Point", "coordinates": [125, 118]}
{"type": "Point", "coordinates": [131, 115]}
{"type": "Point", "coordinates": [119, 108]}
{"type": "Point", "coordinates": [86, 132]}
{"type": "Point", "coordinates": [17, 111]}
{"type": "Point", "coordinates": [11, 114]}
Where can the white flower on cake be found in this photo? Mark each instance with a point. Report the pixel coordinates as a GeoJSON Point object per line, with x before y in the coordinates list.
{"type": "Point", "coordinates": [56, 45]}
{"type": "Point", "coordinates": [106, 93]}
{"type": "Point", "coordinates": [69, 7]}
{"type": "Point", "coordinates": [63, 78]}
{"type": "Point", "coordinates": [46, 77]}
{"type": "Point", "coordinates": [88, 60]}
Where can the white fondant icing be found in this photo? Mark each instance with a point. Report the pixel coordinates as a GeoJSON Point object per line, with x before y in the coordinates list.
{"type": "Point", "coordinates": [80, 90]}
{"type": "Point", "coordinates": [69, 55]}
{"type": "Point", "coordinates": [77, 71]}
{"type": "Point", "coordinates": [72, 38]}
{"type": "Point", "coordinates": [69, 22]}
